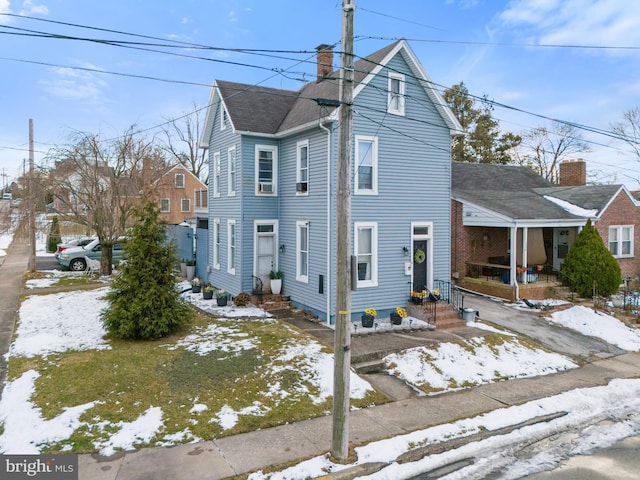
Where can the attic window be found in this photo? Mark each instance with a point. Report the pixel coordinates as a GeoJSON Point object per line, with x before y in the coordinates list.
{"type": "Point", "coordinates": [396, 94]}
{"type": "Point", "coordinates": [224, 118]}
{"type": "Point", "coordinates": [179, 180]}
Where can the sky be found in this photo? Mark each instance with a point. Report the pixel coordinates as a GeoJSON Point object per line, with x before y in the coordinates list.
{"type": "Point", "coordinates": [528, 55]}
{"type": "Point", "coordinates": [601, 415]}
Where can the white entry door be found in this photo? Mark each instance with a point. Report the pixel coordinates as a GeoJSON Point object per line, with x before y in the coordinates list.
{"type": "Point", "coordinates": [265, 251]}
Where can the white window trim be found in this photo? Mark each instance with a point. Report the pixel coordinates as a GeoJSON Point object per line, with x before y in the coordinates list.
{"type": "Point", "coordinates": [374, 254]}
{"type": "Point", "coordinates": [216, 243]}
{"type": "Point", "coordinates": [182, 210]}
{"type": "Point", "coordinates": [168, 210]}
{"type": "Point", "coordinates": [299, 226]}
{"type": "Point", "coordinates": [300, 145]}
{"type": "Point", "coordinates": [230, 254]}
{"type": "Point", "coordinates": [390, 109]}
{"type": "Point", "coordinates": [216, 174]}
{"type": "Point", "coordinates": [231, 183]}
{"type": "Point", "coordinates": [619, 229]}
{"type": "Point", "coordinates": [224, 115]}
{"type": "Point", "coordinates": [274, 188]}
{"type": "Point", "coordinates": [177, 175]}
{"type": "Point", "coordinates": [200, 199]}
{"type": "Point", "coordinates": [374, 164]}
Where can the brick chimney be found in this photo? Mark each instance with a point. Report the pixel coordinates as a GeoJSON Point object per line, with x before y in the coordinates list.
{"type": "Point", "coordinates": [573, 173]}
{"type": "Point", "coordinates": [325, 61]}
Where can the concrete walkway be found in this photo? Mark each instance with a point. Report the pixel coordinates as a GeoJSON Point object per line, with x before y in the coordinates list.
{"type": "Point", "coordinates": [240, 454]}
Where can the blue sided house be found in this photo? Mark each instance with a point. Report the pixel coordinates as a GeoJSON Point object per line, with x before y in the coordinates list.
{"type": "Point", "coordinates": [272, 184]}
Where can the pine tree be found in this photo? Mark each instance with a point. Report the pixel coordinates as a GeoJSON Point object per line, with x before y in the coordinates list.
{"type": "Point", "coordinates": [590, 266]}
{"type": "Point", "coordinates": [54, 235]}
{"type": "Point", "coordinates": [144, 302]}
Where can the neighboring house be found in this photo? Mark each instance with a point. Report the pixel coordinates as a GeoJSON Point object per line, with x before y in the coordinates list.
{"type": "Point", "coordinates": [495, 206]}
{"type": "Point", "coordinates": [181, 195]}
{"type": "Point", "coordinates": [272, 192]}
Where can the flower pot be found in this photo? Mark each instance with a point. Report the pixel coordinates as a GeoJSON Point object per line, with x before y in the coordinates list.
{"type": "Point", "coordinates": [222, 300]}
{"type": "Point", "coordinates": [191, 272]}
{"type": "Point", "coordinates": [367, 320]}
{"type": "Point", "coordinates": [183, 269]}
{"type": "Point", "coordinates": [395, 319]}
{"type": "Point", "coordinates": [276, 286]}
{"type": "Point", "coordinates": [416, 300]}
{"type": "Point", "coordinates": [207, 295]}
{"type": "Point", "coordinates": [196, 288]}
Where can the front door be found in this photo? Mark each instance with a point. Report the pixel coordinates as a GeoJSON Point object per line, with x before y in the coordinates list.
{"type": "Point", "coordinates": [265, 258]}
{"type": "Point", "coordinates": [420, 262]}
{"type": "Point", "coordinates": [561, 242]}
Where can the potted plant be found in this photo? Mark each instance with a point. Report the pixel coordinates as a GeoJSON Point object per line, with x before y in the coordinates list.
{"type": "Point", "coordinates": [368, 316]}
{"type": "Point", "coordinates": [183, 267]}
{"type": "Point", "coordinates": [276, 281]}
{"type": "Point", "coordinates": [418, 297]}
{"type": "Point", "coordinates": [191, 269]}
{"type": "Point", "coordinates": [207, 292]}
{"type": "Point", "coordinates": [522, 272]}
{"type": "Point", "coordinates": [221, 298]}
{"type": "Point", "coordinates": [397, 315]}
{"type": "Point", "coordinates": [196, 286]}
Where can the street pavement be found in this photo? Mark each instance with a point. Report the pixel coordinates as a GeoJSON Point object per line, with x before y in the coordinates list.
{"type": "Point", "coordinates": [221, 458]}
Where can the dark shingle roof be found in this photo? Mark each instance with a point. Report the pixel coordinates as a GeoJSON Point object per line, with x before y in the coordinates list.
{"type": "Point", "coordinates": [518, 192]}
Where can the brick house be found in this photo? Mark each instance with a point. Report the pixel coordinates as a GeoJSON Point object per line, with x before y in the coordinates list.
{"type": "Point", "coordinates": [181, 195]}
{"type": "Point", "coordinates": [500, 209]}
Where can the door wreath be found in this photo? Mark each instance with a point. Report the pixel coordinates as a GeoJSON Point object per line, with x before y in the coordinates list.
{"type": "Point", "coordinates": [419, 256]}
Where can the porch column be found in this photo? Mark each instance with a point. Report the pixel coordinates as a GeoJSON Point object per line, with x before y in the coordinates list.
{"type": "Point", "coordinates": [513, 246]}
{"type": "Point", "coordinates": [525, 239]}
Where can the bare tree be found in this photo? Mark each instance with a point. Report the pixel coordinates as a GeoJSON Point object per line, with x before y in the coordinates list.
{"type": "Point", "coordinates": [181, 142]}
{"type": "Point", "coordinates": [628, 130]}
{"type": "Point", "coordinates": [543, 148]}
{"type": "Point", "coordinates": [96, 182]}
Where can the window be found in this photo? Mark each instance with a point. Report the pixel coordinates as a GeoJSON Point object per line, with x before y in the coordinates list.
{"type": "Point", "coordinates": [179, 180]}
{"type": "Point", "coordinates": [231, 246]}
{"type": "Point", "coordinates": [266, 170]}
{"type": "Point", "coordinates": [366, 252]}
{"type": "Point", "coordinates": [185, 205]}
{"type": "Point", "coordinates": [366, 166]}
{"type": "Point", "coordinates": [216, 243]}
{"type": "Point", "coordinates": [165, 205]}
{"type": "Point", "coordinates": [216, 174]}
{"type": "Point", "coordinates": [621, 240]}
{"type": "Point", "coordinates": [302, 176]}
{"type": "Point", "coordinates": [231, 180]}
{"type": "Point", "coordinates": [200, 198]}
{"type": "Point", "coordinates": [224, 117]}
{"type": "Point", "coordinates": [396, 94]}
{"type": "Point", "coordinates": [302, 249]}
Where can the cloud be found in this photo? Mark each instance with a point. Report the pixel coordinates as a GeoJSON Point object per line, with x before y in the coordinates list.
{"type": "Point", "coordinates": [575, 22]}
{"type": "Point", "coordinates": [28, 8]}
{"type": "Point", "coordinates": [75, 84]}
{"type": "Point", "coordinates": [5, 7]}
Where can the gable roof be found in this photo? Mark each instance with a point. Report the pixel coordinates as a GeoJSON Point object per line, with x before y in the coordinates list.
{"type": "Point", "coordinates": [270, 111]}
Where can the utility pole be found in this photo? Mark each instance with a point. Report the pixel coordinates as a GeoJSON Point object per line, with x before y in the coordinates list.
{"type": "Point", "coordinates": [32, 205]}
{"type": "Point", "coordinates": [342, 342]}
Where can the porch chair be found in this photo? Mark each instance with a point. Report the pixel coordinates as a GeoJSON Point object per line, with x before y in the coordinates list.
{"type": "Point", "coordinates": [93, 266]}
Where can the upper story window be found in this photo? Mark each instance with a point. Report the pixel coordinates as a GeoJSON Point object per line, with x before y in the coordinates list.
{"type": "Point", "coordinates": [366, 166]}
{"type": "Point", "coordinates": [302, 168]}
{"type": "Point", "coordinates": [185, 205]}
{"type": "Point", "coordinates": [231, 173]}
{"type": "Point", "coordinates": [396, 94]}
{"type": "Point", "coordinates": [302, 252]}
{"type": "Point", "coordinates": [165, 205]}
{"type": "Point", "coordinates": [621, 240]}
{"type": "Point", "coordinates": [216, 174]}
{"type": "Point", "coordinates": [224, 117]}
{"type": "Point", "coordinates": [200, 198]}
{"type": "Point", "coordinates": [366, 251]}
{"type": "Point", "coordinates": [179, 178]}
{"type": "Point", "coordinates": [266, 170]}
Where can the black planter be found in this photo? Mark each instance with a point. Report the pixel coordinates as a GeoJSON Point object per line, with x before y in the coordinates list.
{"type": "Point", "coordinates": [222, 300]}
{"type": "Point", "coordinates": [196, 288]}
{"type": "Point", "coordinates": [367, 320]}
{"type": "Point", "coordinates": [207, 295]}
{"type": "Point", "coordinates": [395, 318]}
{"type": "Point", "coordinates": [416, 300]}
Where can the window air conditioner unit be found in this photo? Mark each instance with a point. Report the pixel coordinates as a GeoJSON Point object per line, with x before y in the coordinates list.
{"type": "Point", "coordinates": [264, 187]}
{"type": "Point", "coordinates": [301, 187]}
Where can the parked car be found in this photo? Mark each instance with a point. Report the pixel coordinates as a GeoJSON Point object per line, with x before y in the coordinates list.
{"type": "Point", "coordinates": [78, 242]}
{"type": "Point", "coordinates": [73, 258]}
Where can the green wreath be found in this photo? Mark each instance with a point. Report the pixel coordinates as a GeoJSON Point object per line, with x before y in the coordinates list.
{"type": "Point", "coordinates": [419, 256]}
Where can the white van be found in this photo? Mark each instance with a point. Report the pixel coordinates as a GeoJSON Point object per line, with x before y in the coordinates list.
{"type": "Point", "coordinates": [7, 196]}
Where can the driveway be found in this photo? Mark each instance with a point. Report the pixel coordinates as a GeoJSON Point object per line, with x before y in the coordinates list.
{"type": "Point", "coordinates": [531, 324]}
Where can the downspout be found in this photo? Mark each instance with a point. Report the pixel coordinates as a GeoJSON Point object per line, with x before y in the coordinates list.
{"type": "Point", "coordinates": [328, 306]}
